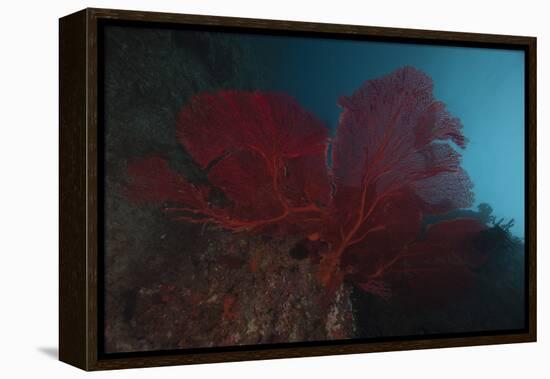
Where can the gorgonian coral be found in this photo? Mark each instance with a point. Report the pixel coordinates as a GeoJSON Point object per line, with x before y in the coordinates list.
{"type": "Point", "coordinates": [393, 162]}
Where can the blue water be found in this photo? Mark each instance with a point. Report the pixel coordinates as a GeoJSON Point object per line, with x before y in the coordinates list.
{"type": "Point", "coordinates": [483, 87]}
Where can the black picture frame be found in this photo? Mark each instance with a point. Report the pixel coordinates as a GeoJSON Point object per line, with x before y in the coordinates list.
{"type": "Point", "coordinates": [81, 184]}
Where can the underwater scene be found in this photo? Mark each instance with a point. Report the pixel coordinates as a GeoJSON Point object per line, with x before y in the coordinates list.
{"type": "Point", "coordinates": [272, 189]}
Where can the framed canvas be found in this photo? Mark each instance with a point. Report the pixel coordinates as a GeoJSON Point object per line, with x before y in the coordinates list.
{"type": "Point", "coordinates": [238, 189]}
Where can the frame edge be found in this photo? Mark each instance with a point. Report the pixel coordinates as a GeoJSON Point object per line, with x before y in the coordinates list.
{"type": "Point", "coordinates": [424, 35]}
{"type": "Point", "coordinates": [531, 129]}
{"type": "Point", "coordinates": [72, 182]}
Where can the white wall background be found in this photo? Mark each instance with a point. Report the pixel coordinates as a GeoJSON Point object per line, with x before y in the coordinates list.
{"type": "Point", "coordinates": [28, 186]}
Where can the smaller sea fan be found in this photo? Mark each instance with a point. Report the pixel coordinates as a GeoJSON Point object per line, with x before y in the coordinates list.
{"type": "Point", "coordinates": [262, 150]}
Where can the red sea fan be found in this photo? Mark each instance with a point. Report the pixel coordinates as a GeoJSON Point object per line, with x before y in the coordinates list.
{"type": "Point", "coordinates": [393, 135]}
{"type": "Point", "coordinates": [393, 161]}
{"type": "Point", "coordinates": [263, 151]}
